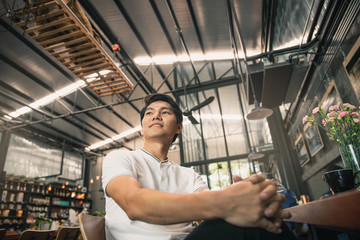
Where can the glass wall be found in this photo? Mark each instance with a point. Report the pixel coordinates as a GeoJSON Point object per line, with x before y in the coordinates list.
{"type": "Point", "coordinates": [223, 138]}
{"type": "Point", "coordinates": [35, 159]}
{"type": "Point", "coordinates": [72, 166]}
{"type": "Point", "coordinates": [31, 158]}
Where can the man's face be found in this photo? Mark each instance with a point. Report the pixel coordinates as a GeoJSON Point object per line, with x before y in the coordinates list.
{"type": "Point", "coordinates": [160, 121]}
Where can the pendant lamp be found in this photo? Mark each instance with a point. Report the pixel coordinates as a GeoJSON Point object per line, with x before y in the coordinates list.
{"type": "Point", "coordinates": [257, 112]}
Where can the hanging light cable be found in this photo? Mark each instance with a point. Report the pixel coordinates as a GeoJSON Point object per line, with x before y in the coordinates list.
{"type": "Point", "coordinates": [257, 112]}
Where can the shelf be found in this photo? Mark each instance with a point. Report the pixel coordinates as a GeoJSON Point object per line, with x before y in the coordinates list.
{"type": "Point", "coordinates": [33, 209]}
{"type": "Point", "coordinates": [11, 217]}
{"type": "Point", "coordinates": [59, 206]}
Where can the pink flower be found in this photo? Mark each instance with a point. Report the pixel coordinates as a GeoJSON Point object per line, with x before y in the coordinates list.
{"type": "Point", "coordinates": [304, 120]}
{"type": "Point", "coordinates": [356, 120]}
{"type": "Point", "coordinates": [331, 119]}
{"type": "Point", "coordinates": [333, 107]}
{"type": "Point", "coordinates": [355, 114]}
{"type": "Point", "coordinates": [323, 122]}
{"type": "Point", "coordinates": [349, 106]}
{"type": "Point", "coordinates": [315, 110]}
{"type": "Point", "coordinates": [343, 114]}
{"type": "Point", "coordinates": [330, 114]}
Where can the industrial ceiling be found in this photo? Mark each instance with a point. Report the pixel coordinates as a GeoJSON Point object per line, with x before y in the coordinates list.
{"type": "Point", "coordinates": [268, 41]}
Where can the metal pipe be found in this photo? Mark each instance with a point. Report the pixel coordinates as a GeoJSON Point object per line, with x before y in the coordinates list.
{"type": "Point", "coordinates": [178, 30]}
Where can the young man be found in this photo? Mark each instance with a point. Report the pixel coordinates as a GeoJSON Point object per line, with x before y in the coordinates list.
{"type": "Point", "coordinates": [149, 197]}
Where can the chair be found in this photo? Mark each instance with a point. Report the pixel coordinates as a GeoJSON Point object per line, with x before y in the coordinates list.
{"type": "Point", "coordinates": [68, 233]}
{"type": "Point", "coordinates": [2, 233]}
{"type": "Point", "coordinates": [37, 235]}
{"type": "Point", "coordinates": [92, 227]}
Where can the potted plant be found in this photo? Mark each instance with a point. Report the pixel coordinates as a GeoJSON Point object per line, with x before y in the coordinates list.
{"type": "Point", "coordinates": [10, 176]}
{"type": "Point", "coordinates": [343, 127]}
{"type": "Point", "coordinates": [22, 178]}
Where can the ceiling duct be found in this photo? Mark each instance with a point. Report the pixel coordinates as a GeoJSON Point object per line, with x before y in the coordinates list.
{"type": "Point", "coordinates": [275, 83]}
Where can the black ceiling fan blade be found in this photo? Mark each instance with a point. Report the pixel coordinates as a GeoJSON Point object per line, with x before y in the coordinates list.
{"type": "Point", "coordinates": [186, 113]}
{"type": "Point", "coordinates": [203, 104]}
{"type": "Point", "coordinates": [192, 119]}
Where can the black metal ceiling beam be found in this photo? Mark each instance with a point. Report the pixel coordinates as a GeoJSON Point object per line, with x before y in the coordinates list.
{"type": "Point", "coordinates": [140, 39]}
{"type": "Point", "coordinates": [268, 13]}
{"type": "Point", "coordinates": [233, 41]}
{"type": "Point", "coordinates": [50, 89]}
{"type": "Point", "coordinates": [29, 99]}
{"type": "Point", "coordinates": [91, 93]}
{"type": "Point", "coordinates": [163, 26]}
{"type": "Point", "coordinates": [53, 129]}
{"type": "Point", "coordinates": [56, 66]}
{"type": "Point", "coordinates": [236, 20]}
{"type": "Point", "coordinates": [315, 19]}
{"type": "Point", "coordinates": [64, 135]}
{"type": "Point", "coordinates": [179, 31]}
{"type": "Point", "coordinates": [196, 26]}
{"type": "Point", "coordinates": [42, 121]}
{"type": "Point", "coordinates": [207, 85]}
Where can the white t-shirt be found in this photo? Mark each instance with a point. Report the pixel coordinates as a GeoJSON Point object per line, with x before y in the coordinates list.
{"type": "Point", "coordinates": [153, 174]}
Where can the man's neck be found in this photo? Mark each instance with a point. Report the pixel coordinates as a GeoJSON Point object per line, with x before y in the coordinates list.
{"type": "Point", "coordinates": [157, 149]}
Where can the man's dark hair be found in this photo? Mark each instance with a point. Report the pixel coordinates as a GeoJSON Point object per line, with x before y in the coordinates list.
{"type": "Point", "coordinates": [149, 99]}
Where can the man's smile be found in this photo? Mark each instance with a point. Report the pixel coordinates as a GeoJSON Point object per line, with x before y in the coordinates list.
{"type": "Point", "coordinates": [156, 125]}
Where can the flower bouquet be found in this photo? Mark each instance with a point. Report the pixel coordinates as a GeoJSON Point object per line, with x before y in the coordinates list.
{"type": "Point", "coordinates": [342, 126]}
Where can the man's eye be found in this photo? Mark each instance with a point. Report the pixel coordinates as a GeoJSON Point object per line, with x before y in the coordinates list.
{"type": "Point", "coordinates": [148, 113]}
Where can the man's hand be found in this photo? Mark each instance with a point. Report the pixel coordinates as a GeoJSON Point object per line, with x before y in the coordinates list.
{"type": "Point", "coordinates": [272, 200]}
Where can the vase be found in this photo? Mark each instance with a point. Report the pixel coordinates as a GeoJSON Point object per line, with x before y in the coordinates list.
{"type": "Point", "coordinates": [350, 156]}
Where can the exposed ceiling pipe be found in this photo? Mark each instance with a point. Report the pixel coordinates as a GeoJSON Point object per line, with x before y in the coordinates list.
{"type": "Point", "coordinates": [307, 22]}
{"type": "Point", "coordinates": [315, 19]}
{"type": "Point", "coordinates": [179, 31]}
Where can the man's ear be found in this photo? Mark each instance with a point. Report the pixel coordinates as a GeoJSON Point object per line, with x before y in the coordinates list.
{"type": "Point", "coordinates": [179, 128]}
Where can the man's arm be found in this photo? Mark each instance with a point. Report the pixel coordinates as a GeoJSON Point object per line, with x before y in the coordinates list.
{"type": "Point", "coordinates": [240, 204]}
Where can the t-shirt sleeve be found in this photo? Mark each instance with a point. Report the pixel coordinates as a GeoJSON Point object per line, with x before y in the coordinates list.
{"type": "Point", "coordinates": [199, 183]}
{"type": "Point", "coordinates": [117, 163]}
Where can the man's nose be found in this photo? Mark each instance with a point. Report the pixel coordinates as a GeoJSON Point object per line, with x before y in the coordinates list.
{"type": "Point", "coordinates": [157, 115]}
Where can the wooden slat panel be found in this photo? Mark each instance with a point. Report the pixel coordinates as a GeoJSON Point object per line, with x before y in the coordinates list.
{"type": "Point", "coordinates": [61, 38]}
{"type": "Point", "coordinates": [110, 86]}
{"type": "Point", "coordinates": [120, 80]}
{"type": "Point", "coordinates": [46, 35]}
{"type": "Point", "coordinates": [48, 24]}
{"type": "Point", "coordinates": [80, 53]}
{"type": "Point", "coordinates": [91, 72]}
{"type": "Point", "coordinates": [87, 63]}
{"type": "Point", "coordinates": [93, 56]}
{"type": "Point", "coordinates": [98, 66]}
{"type": "Point", "coordinates": [66, 38]}
{"type": "Point", "coordinates": [35, 7]}
{"type": "Point", "coordinates": [72, 49]}
{"type": "Point", "coordinates": [67, 44]}
{"type": "Point", "coordinates": [40, 18]}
